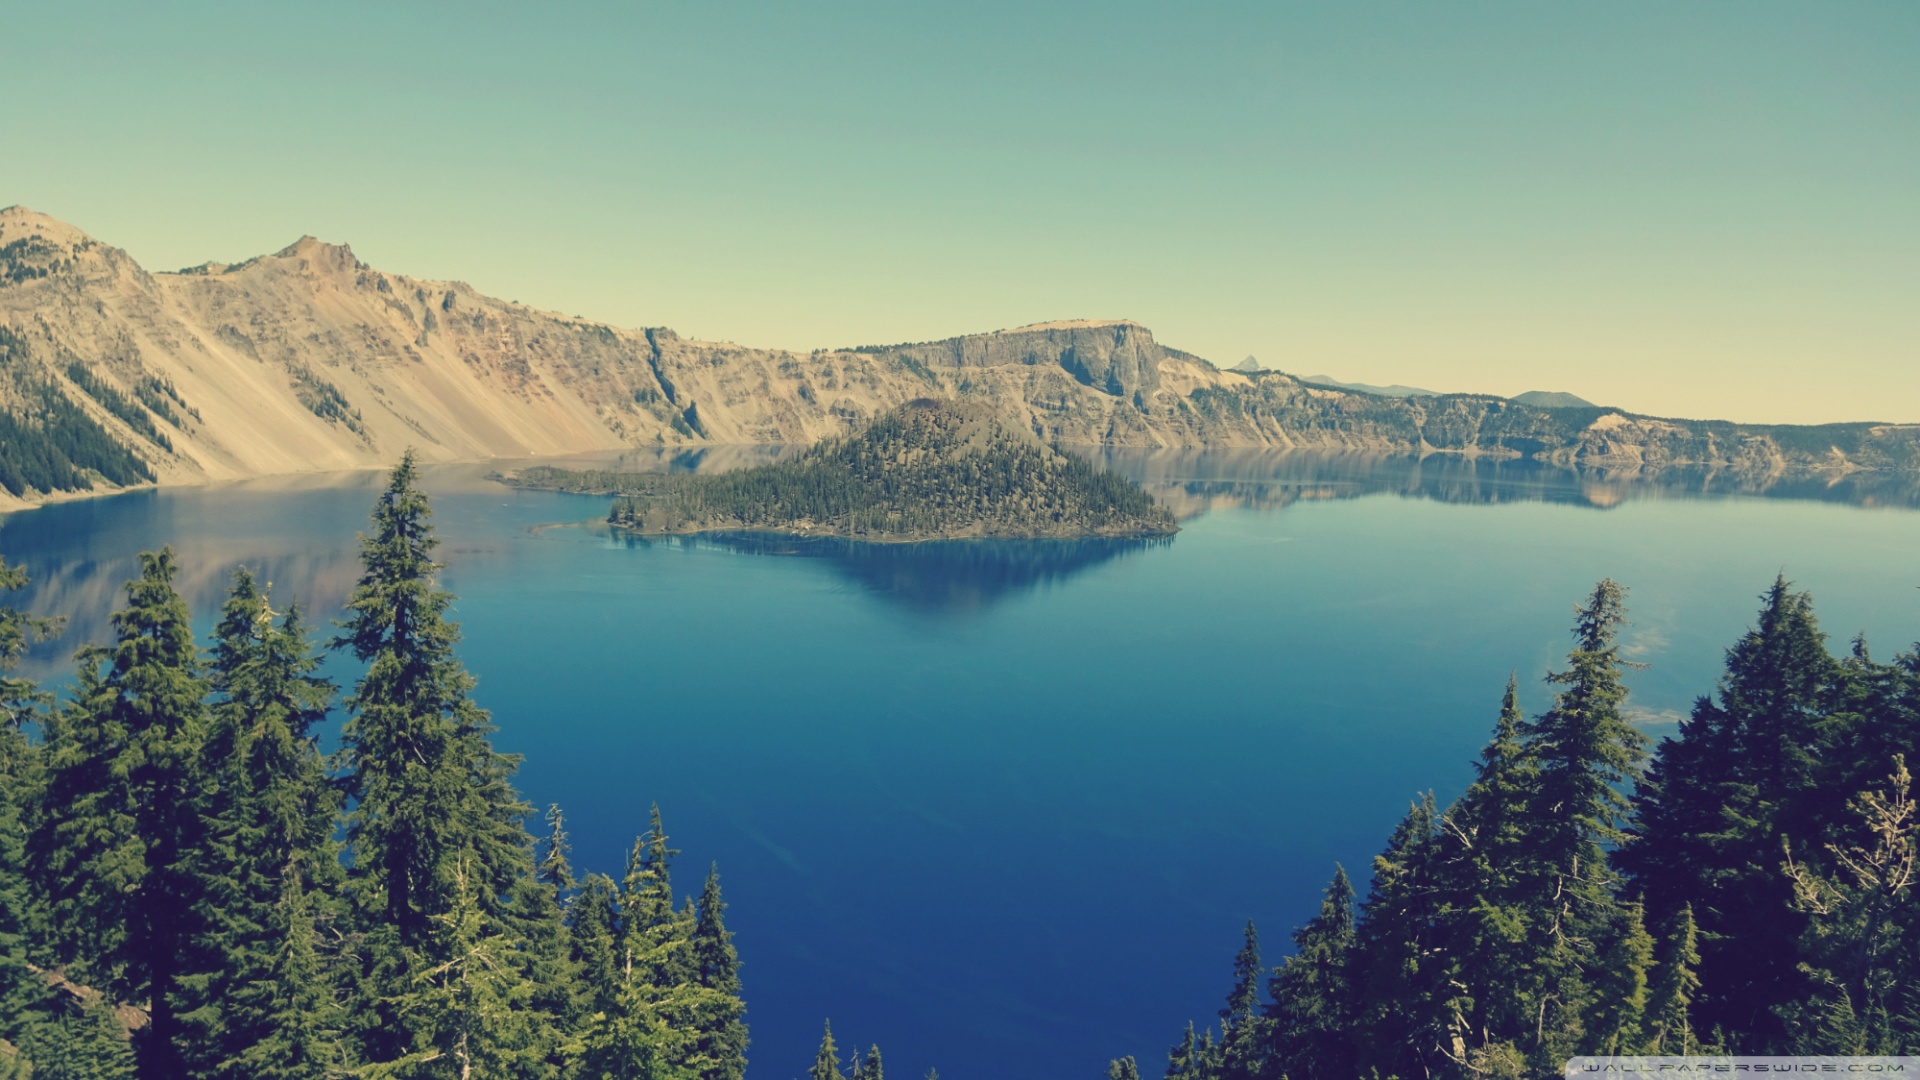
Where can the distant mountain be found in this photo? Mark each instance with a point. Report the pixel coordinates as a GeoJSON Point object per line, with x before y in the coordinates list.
{"type": "Point", "coordinates": [310, 360]}
{"type": "Point", "coordinates": [1551, 399]}
{"type": "Point", "coordinates": [927, 470]}
{"type": "Point", "coordinates": [1396, 390]}
{"type": "Point", "coordinates": [1248, 365]}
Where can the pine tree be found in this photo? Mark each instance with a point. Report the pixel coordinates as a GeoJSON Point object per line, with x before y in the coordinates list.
{"type": "Point", "coordinates": [301, 1023]}
{"type": "Point", "coordinates": [1311, 1017]}
{"type": "Point", "coordinates": [117, 818]}
{"type": "Point", "coordinates": [469, 1008]}
{"type": "Point", "coordinates": [1586, 751]}
{"type": "Point", "coordinates": [593, 921]}
{"type": "Point", "coordinates": [536, 917]}
{"type": "Point", "coordinates": [1492, 878]}
{"type": "Point", "coordinates": [1402, 976]}
{"type": "Point", "coordinates": [21, 920]}
{"type": "Point", "coordinates": [871, 1068]}
{"type": "Point", "coordinates": [1675, 986]}
{"type": "Point", "coordinates": [1242, 1035]}
{"type": "Point", "coordinates": [1118, 1069]}
{"type": "Point", "coordinates": [268, 814]}
{"type": "Point", "coordinates": [88, 1045]}
{"type": "Point", "coordinates": [1719, 801]}
{"type": "Point", "coordinates": [429, 793]}
{"type": "Point", "coordinates": [826, 1064]}
{"type": "Point", "coordinates": [723, 1031]}
{"type": "Point", "coordinates": [653, 933]}
{"type": "Point", "coordinates": [556, 867]}
{"type": "Point", "coordinates": [1856, 944]}
{"type": "Point", "coordinates": [1193, 1058]}
{"type": "Point", "coordinates": [1619, 1015]}
{"type": "Point", "coordinates": [653, 1022]}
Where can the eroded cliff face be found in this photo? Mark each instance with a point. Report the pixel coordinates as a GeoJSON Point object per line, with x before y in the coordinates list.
{"type": "Point", "coordinates": [310, 360]}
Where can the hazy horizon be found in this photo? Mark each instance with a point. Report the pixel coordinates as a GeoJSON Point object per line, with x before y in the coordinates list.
{"type": "Point", "coordinates": [1702, 211]}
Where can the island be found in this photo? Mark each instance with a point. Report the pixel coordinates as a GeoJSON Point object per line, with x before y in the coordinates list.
{"type": "Point", "coordinates": [927, 470]}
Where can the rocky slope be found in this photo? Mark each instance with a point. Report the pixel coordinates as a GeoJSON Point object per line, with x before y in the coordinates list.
{"type": "Point", "coordinates": [310, 360]}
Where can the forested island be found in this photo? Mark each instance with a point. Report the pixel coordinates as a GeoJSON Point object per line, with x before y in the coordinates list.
{"type": "Point", "coordinates": [928, 470]}
{"type": "Point", "coordinates": [1750, 890]}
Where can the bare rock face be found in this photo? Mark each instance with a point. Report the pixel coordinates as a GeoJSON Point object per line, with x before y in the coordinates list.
{"type": "Point", "coordinates": [308, 359]}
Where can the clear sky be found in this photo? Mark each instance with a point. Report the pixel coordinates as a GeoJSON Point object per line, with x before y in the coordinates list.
{"type": "Point", "coordinates": [1700, 209]}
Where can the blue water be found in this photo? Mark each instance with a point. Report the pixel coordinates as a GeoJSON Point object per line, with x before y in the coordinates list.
{"type": "Point", "coordinates": [1004, 808]}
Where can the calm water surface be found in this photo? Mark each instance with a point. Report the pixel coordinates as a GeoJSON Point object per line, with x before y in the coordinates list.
{"type": "Point", "coordinates": [1003, 808]}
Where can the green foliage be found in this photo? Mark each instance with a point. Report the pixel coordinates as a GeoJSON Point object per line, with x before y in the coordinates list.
{"type": "Point", "coordinates": [47, 443]}
{"type": "Point", "coordinates": [323, 399]}
{"type": "Point", "coordinates": [259, 995]}
{"type": "Point", "coordinates": [117, 819]}
{"type": "Point", "coordinates": [1498, 938]}
{"type": "Point", "coordinates": [31, 258]}
{"type": "Point", "coordinates": [1310, 1019]}
{"type": "Point", "coordinates": [180, 824]}
{"type": "Point", "coordinates": [126, 410]}
{"type": "Point", "coordinates": [84, 1044]}
{"type": "Point", "coordinates": [716, 966]}
{"type": "Point", "coordinates": [1719, 802]}
{"type": "Point", "coordinates": [434, 815]}
{"type": "Point", "coordinates": [826, 1064]}
{"type": "Point", "coordinates": [927, 469]}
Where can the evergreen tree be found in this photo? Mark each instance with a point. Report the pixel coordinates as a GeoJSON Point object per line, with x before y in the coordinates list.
{"type": "Point", "coordinates": [118, 813]}
{"type": "Point", "coordinates": [1584, 745]}
{"type": "Point", "coordinates": [21, 921]}
{"type": "Point", "coordinates": [428, 791]}
{"type": "Point", "coordinates": [723, 1031]}
{"type": "Point", "coordinates": [301, 1022]}
{"type": "Point", "coordinates": [1586, 750]}
{"type": "Point", "coordinates": [1676, 984]}
{"type": "Point", "coordinates": [650, 926]}
{"type": "Point", "coordinates": [267, 814]}
{"type": "Point", "coordinates": [1242, 1037]}
{"type": "Point", "coordinates": [1193, 1058]}
{"type": "Point", "coordinates": [1620, 1010]}
{"type": "Point", "coordinates": [469, 1007]}
{"type": "Point", "coordinates": [88, 1044]}
{"type": "Point", "coordinates": [556, 868]}
{"type": "Point", "coordinates": [826, 1063]}
{"type": "Point", "coordinates": [1118, 1069]}
{"type": "Point", "coordinates": [1492, 879]}
{"type": "Point", "coordinates": [1403, 977]}
{"type": "Point", "coordinates": [1311, 1017]}
{"type": "Point", "coordinates": [870, 1069]}
{"type": "Point", "coordinates": [1719, 801]}
{"type": "Point", "coordinates": [537, 919]}
{"type": "Point", "coordinates": [1857, 946]}
{"type": "Point", "coordinates": [593, 921]}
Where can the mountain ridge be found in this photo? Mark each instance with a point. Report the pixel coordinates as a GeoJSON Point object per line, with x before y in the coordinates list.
{"type": "Point", "coordinates": [308, 359]}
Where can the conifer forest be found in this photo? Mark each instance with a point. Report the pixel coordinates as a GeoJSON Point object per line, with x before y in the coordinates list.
{"type": "Point", "coordinates": [191, 888]}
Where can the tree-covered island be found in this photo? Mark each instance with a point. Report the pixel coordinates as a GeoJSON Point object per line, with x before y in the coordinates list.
{"type": "Point", "coordinates": [928, 470]}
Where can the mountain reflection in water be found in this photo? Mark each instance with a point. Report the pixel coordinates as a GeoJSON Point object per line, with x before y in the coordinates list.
{"type": "Point", "coordinates": [299, 532]}
{"type": "Point", "coordinates": [1193, 482]}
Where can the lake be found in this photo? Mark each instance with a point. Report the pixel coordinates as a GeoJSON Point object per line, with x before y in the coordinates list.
{"type": "Point", "coordinates": [1003, 808]}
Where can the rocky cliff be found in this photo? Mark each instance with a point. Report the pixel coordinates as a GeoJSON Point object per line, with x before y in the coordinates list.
{"type": "Point", "coordinates": [308, 359]}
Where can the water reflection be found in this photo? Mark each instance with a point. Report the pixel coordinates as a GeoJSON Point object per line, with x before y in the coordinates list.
{"type": "Point", "coordinates": [1193, 482]}
{"type": "Point", "coordinates": [938, 576]}
{"type": "Point", "coordinates": [299, 532]}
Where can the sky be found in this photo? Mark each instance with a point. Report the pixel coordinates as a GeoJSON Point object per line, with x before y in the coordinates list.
{"type": "Point", "coordinates": [1704, 209]}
